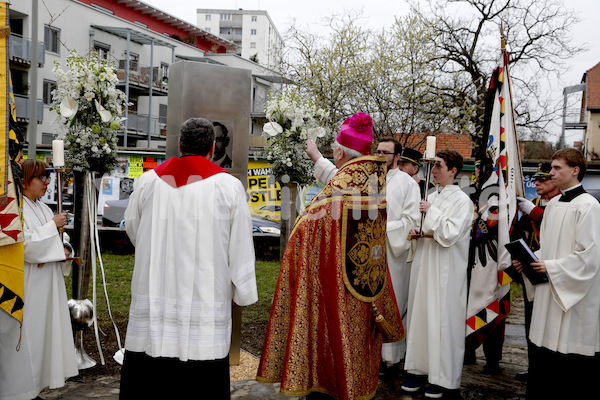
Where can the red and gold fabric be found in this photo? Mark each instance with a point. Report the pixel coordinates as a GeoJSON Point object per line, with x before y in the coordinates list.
{"type": "Point", "coordinates": [11, 227]}
{"type": "Point", "coordinates": [321, 335]}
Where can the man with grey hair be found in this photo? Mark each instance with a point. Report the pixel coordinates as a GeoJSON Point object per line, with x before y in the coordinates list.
{"type": "Point", "coordinates": [402, 198]}
{"type": "Point", "coordinates": [333, 305]}
{"type": "Point", "coordinates": [194, 255]}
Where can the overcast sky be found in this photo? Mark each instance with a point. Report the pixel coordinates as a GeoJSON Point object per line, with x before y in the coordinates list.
{"type": "Point", "coordinates": [380, 13]}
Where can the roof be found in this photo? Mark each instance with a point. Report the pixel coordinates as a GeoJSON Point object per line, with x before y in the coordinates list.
{"type": "Point", "coordinates": [593, 87]}
{"type": "Point", "coordinates": [168, 19]}
{"type": "Point", "coordinates": [451, 141]}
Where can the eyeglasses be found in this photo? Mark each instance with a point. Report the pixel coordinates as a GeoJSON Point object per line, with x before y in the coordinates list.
{"type": "Point", "coordinates": [383, 152]}
{"type": "Point", "coordinates": [44, 178]}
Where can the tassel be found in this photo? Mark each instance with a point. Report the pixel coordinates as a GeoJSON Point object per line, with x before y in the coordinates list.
{"type": "Point", "coordinates": [384, 327]}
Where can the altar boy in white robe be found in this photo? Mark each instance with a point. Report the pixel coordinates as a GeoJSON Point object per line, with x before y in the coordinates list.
{"type": "Point", "coordinates": [565, 322]}
{"type": "Point", "coordinates": [436, 328]}
{"type": "Point", "coordinates": [194, 254]}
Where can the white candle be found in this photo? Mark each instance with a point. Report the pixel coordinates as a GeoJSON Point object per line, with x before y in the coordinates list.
{"type": "Point", "coordinates": [58, 153]}
{"type": "Point", "coordinates": [430, 151]}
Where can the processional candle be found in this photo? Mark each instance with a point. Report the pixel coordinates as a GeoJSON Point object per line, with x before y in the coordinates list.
{"type": "Point", "coordinates": [58, 153]}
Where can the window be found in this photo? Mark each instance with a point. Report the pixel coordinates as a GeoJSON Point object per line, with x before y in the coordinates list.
{"type": "Point", "coordinates": [164, 72]}
{"type": "Point", "coordinates": [253, 31]}
{"type": "Point", "coordinates": [252, 45]}
{"type": "Point", "coordinates": [207, 29]}
{"type": "Point", "coordinates": [207, 17]}
{"type": "Point", "coordinates": [254, 18]}
{"type": "Point", "coordinates": [51, 38]}
{"type": "Point", "coordinates": [102, 49]}
{"type": "Point", "coordinates": [47, 91]}
{"type": "Point", "coordinates": [225, 31]}
{"type": "Point", "coordinates": [162, 114]}
{"type": "Point", "coordinates": [225, 17]}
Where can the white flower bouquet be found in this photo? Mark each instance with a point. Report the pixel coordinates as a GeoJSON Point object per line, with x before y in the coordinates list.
{"type": "Point", "coordinates": [292, 121]}
{"type": "Point", "coordinates": [89, 108]}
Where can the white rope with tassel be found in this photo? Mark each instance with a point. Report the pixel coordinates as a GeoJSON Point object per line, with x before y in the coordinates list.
{"type": "Point", "coordinates": [95, 249]}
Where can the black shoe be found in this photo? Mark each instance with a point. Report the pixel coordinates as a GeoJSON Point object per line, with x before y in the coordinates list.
{"type": "Point", "coordinates": [492, 369]}
{"type": "Point", "coordinates": [522, 376]}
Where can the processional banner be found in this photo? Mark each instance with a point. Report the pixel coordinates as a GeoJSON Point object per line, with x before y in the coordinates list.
{"type": "Point", "coordinates": [501, 181]}
{"type": "Point", "coordinates": [11, 228]}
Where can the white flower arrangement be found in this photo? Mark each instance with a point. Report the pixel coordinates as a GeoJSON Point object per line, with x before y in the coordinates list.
{"type": "Point", "coordinates": [292, 121]}
{"type": "Point", "coordinates": [89, 108]}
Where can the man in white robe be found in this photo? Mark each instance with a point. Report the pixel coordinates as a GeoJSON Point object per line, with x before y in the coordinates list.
{"type": "Point", "coordinates": [565, 322]}
{"type": "Point", "coordinates": [402, 198]}
{"type": "Point", "coordinates": [191, 226]}
{"type": "Point", "coordinates": [436, 328]}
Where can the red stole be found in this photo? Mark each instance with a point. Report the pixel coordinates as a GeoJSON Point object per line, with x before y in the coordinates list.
{"type": "Point", "coordinates": [178, 172]}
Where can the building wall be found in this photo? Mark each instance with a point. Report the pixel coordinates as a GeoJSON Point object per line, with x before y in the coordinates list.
{"type": "Point", "coordinates": [267, 40]}
{"type": "Point", "coordinates": [593, 135]}
{"type": "Point", "coordinates": [74, 19]}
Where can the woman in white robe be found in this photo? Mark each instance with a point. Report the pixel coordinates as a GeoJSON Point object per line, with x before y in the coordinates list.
{"type": "Point", "coordinates": [45, 355]}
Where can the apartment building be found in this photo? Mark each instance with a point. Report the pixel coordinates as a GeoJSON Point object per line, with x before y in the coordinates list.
{"type": "Point", "coordinates": [141, 40]}
{"type": "Point", "coordinates": [252, 30]}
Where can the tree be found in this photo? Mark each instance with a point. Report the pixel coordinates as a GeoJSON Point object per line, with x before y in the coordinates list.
{"type": "Point", "coordinates": [354, 69]}
{"type": "Point", "coordinates": [466, 40]}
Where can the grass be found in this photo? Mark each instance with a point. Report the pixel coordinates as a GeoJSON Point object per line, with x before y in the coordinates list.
{"type": "Point", "coordinates": [118, 269]}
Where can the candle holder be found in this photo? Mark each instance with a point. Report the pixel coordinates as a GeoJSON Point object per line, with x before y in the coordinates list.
{"type": "Point", "coordinates": [59, 171]}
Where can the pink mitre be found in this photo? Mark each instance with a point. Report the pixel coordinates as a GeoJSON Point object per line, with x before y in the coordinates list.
{"type": "Point", "coordinates": [357, 133]}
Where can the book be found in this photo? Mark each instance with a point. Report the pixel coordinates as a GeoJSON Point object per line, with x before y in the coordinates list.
{"type": "Point", "coordinates": [519, 250]}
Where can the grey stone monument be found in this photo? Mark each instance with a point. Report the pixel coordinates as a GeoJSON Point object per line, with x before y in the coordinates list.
{"type": "Point", "coordinates": [222, 95]}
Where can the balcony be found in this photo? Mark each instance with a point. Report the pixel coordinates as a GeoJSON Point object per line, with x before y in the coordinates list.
{"type": "Point", "coordinates": [22, 109]}
{"type": "Point", "coordinates": [139, 77]}
{"type": "Point", "coordinates": [575, 118]}
{"type": "Point", "coordinates": [138, 123]}
{"type": "Point", "coordinates": [19, 50]}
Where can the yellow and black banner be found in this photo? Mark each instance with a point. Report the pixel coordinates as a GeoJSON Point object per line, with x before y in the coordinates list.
{"type": "Point", "coordinates": [11, 227]}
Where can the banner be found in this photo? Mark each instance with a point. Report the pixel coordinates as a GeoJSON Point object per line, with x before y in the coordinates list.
{"type": "Point", "coordinates": [500, 181]}
{"type": "Point", "coordinates": [11, 228]}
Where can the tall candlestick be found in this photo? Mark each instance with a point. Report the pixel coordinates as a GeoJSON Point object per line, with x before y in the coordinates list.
{"type": "Point", "coordinates": [430, 151]}
{"type": "Point", "coordinates": [58, 153]}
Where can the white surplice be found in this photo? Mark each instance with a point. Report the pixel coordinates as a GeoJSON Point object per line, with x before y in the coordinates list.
{"type": "Point", "coordinates": [47, 353]}
{"type": "Point", "coordinates": [436, 328]}
{"type": "Point", "coordinates": [402, 197]}
{"type": "Point", "coordinates": [566, 311]}
{"type": "Point", "coordinates": [194, 253]}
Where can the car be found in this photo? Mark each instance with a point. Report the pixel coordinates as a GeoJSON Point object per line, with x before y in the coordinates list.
{"type": "Point", "coordinates": [270, 211]}
{"type": "Point", "coordinates": [114, 212]}
{"type": "Point", "coordinates": [265, 227]}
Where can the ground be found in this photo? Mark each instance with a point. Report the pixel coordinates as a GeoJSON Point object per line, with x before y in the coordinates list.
{"type": "Point", "coordinates": [475, 384]}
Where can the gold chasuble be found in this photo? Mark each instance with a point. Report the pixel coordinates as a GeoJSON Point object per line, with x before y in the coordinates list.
{"type": "Point", "coordinates": [322, 335]}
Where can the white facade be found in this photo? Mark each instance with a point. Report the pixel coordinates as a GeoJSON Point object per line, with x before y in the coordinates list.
{"type": "Point", "coordinates": [252, 30]}
{"type": "Point", "coordinates": [81, 27]}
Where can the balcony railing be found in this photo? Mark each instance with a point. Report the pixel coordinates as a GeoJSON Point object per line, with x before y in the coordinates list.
{"type": "Point", "coordinates": [19, 50]}
{"type": "Point", "coordinates": [575, 118]}
{"type": "Point", "coordinates": [139, 123]}
{"type": "Point", "coordinates": [22, 108]}
{"type": "Point", "coordinates": [140, 75]}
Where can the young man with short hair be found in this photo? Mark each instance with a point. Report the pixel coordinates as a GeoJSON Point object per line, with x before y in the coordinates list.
{"type": "Point", "coordinates": [438, 298]}
{"type": "Point", "coordinates": [565, 323]}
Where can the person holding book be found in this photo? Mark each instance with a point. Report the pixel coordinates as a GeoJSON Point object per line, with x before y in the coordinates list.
{"type": "Point", "coordinates": [565, 323]}
{"type": "Point", "coordinates": [528, 228]}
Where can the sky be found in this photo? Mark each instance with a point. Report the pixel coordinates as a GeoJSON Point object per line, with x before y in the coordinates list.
{"type": "Point", "coordinates": [380, 13]}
